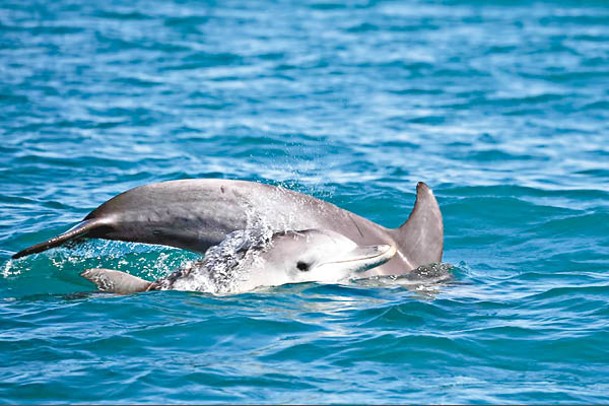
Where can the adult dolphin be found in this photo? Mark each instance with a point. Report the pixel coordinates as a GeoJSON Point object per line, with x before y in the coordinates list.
{"type": "Point", "coordinates": [196, 214]}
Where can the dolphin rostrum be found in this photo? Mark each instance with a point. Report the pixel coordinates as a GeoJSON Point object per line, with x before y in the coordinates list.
{"type": "Point", "coordinates": [196, 214]}
{"type": "Point", "coordinates": [243, 262]}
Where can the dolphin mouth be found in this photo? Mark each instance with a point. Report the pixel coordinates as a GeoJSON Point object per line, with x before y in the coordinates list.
{"type": "Point", "coordinates": [362, 259]}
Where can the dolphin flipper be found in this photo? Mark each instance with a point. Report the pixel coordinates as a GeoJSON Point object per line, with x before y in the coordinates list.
{"type": "Point", "coordinates": [108, 280]}
{"type": "Point", "coordinates": [421, 237]}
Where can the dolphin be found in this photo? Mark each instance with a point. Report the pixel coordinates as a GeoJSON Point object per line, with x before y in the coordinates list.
{"type": "Point", "coordinates": [196, 214]}
{"type": "Point", "coordinates": [241, 264]}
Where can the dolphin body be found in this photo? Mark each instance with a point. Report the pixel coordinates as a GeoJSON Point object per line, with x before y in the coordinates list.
{"type": "Point", "coordinates": [197, 214]}
{"type": "Point", "coordinates": [247, 260]}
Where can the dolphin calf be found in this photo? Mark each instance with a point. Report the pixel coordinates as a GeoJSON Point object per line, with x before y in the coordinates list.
{"type": "Point", "coordinates": [197, 214]}
{"type": "Point", "coordinates": [242, 263]}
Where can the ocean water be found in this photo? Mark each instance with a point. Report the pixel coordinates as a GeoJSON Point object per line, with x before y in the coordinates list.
{"type": "Point", "coordinates": [502, 107]}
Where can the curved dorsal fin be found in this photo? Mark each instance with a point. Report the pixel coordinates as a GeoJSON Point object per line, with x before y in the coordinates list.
{"type": "Point", "coordinates": [421, 237]}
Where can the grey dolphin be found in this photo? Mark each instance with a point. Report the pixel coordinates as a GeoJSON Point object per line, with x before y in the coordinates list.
{"type": "Point", "coordinates": [241, 264]}
{"type": "Point", "coordinates": [198, 213]}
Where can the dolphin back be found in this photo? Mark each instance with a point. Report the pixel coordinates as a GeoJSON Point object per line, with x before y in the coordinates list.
{"type": "Point", "coordinates": [188, 214]}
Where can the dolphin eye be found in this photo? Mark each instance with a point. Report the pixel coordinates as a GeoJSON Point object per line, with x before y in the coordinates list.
{"type": "Point", "coordinates": [302, 266]}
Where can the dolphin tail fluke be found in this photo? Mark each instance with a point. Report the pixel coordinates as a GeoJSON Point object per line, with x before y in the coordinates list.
{"type": "Point", "coordinates": [421, 237]}
{"type": "Point", "coordinates": [82, 229]}
{"type": "Point", "coordinates": [108, 280]}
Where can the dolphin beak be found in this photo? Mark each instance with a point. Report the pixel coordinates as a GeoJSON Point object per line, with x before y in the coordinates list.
{"type": "Point", "coordinates": [362, 259]}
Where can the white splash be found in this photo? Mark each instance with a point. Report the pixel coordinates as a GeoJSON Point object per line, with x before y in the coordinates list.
{"type": "Point", "coordinates": [9, 270]}
{"type": "Point", "coordinates": [224, 266]}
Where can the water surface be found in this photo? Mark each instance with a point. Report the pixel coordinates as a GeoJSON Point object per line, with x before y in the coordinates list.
{"type": "Point", "coordinates": [501, 107]}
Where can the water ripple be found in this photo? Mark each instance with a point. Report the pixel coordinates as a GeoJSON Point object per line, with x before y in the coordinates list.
{"type": "Point", "coordinates": [500, 106]}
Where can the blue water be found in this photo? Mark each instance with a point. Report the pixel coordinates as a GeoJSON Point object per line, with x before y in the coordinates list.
{"type": "Point", "coordinates": [502, 107]}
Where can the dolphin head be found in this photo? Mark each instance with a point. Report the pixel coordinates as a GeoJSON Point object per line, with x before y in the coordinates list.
{"type": "Point", "coordinates": [314, 255]}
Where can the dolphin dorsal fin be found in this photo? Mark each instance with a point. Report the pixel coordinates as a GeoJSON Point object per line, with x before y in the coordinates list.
{"type": "Point", "coordinates": [108, 280]}
{"type": "Point", "coordinates": [421, 237]}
